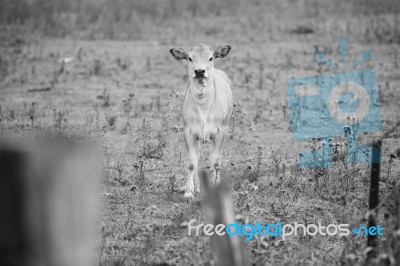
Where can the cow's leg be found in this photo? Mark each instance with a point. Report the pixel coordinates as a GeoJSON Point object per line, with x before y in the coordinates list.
{"type": "Point", "coordinates": [191, 143]}
{"type": "Point", "coordinates": [215, 156]}
{"type": "Point", "coordinates": [196, 171]}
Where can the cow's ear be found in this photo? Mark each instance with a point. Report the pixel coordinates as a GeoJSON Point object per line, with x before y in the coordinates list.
{"type": "Point", "coordinates": [179, 54]}
{"type": "Point", "coordinates": [222, 51]}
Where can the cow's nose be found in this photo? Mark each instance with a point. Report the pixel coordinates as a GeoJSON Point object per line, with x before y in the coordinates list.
{"type": "Point", "coordinates": [199, 72]}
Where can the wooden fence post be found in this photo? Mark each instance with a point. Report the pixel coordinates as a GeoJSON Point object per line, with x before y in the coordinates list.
{"type": "Point", "coordinates": [218, 208]}
{"type": "Point", "coordinates": [47, 203]}
{"type": "Point", "coordinates": [374, 193]}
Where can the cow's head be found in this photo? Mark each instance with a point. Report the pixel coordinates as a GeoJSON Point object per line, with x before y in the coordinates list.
{"type": "Point", "coordinates": [200, 61]}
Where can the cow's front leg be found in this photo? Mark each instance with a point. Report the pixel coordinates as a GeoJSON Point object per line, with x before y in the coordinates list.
{"type": "Point", "coordinates": [191, 144]}
{"type": "Point", "coordinates": [215, 156]}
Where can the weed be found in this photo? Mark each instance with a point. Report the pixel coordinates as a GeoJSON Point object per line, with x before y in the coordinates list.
{"type": "Point", "coordinates": [139, 173]}
{"type": "Point", "coordinates": [236, 119]}
{"type": "Point", "coordinates": [31, 113]}
{"type": "Point", "coordinates": [276, 161]}
{"type": "Point", "coordinates": [97, 67]}
{"type": "Point", "coordinates": [261, 73]}
{"type": "Point", "coordinates": [172, 183]}
{"type": "Point", "coordinates": [150, 148]}
{"type": "Point", "coordinates": [60, 118]}
{"type": "Point", "coordinates": [111, 121]}
{"type": "Point", "coordinates": [167, 120]}
{"type": "Point", "coordinates": [127, 112]}
{"type": "Point", "coordinates": [120, 169]}
{"type": "Point", "coordinates": [105, 97]}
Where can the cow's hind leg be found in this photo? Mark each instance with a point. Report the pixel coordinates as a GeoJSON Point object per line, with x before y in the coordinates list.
{"type": "Point", "coordinates": [215, 156]}
{"type": "Point", "coordinates": [191, 143]}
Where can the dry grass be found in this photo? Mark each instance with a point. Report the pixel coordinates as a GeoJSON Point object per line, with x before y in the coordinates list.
{"type": "Point", "coordinates": [128, 95]}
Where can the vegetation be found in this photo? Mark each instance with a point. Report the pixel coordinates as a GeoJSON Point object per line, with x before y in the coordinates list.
{"type": "Point", "coordinates": [103, 69]}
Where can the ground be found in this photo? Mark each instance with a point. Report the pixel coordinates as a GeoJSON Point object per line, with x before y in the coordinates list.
{"type": "Point", "coordinates": [127, 95]}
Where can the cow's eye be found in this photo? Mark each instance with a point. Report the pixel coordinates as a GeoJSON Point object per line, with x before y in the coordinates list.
{"type": "Point", "coordinates": [210, 59]}
{"type": "Point", "coordinates": [190, 59]}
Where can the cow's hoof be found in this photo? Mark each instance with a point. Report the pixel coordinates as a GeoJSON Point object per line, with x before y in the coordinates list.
{"type": "Point", "coordinates": [188, 195]}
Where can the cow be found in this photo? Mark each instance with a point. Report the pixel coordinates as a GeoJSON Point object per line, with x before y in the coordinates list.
{"type": "Point", "coordinates": [207, 109]}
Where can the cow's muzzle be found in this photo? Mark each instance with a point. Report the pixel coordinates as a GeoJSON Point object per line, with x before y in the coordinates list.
{"type": "Point", "coordinates": [199, 73]}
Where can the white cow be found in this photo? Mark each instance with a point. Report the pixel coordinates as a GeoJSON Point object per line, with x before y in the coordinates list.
{"type": "Point", "coordinates": [207, 108]}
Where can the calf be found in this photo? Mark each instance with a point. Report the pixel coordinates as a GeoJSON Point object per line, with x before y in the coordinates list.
{"type": "Point", "coordinates": [207, 108]}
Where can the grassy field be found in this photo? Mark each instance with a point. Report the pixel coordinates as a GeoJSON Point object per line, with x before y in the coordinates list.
{"type": "Point", "coordinates": [127, 95]}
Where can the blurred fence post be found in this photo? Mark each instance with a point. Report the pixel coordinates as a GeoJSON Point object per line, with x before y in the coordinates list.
{"type": "Point", "coordinates": [218, 208]}
{"type": "Point", "coordinates": [374, 193]}
{"type": "Point", "coordinates": [47, 204]}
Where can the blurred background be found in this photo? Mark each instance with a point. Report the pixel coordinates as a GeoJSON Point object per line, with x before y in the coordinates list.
{"type": "Point", "coordinates": [172, 20]}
